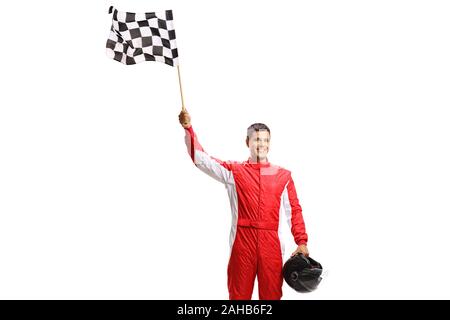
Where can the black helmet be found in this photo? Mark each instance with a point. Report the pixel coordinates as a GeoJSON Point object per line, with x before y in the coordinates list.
{"type": "Point", "coordinates": [301, 273]}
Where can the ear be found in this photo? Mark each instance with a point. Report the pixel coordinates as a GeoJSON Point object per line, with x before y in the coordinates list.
{"type": "Point", "coordinates": [246, 142]}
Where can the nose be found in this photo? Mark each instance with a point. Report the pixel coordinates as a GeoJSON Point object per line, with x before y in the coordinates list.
{"type": "Point", "coordinates": [262, 144]}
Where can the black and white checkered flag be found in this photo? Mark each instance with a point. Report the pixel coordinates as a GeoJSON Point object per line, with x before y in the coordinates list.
{"type": "Point", "coordinates": [137, 37]}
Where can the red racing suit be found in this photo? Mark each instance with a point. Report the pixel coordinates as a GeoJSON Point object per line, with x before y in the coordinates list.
{"type": "Point", "coordinates": [257, 192]}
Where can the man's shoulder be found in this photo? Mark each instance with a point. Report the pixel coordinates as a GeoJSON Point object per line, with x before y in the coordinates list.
{"type": "Point", "coordinates": [282, 174]}
{"type": "Point", "coordinates": [281, 168]}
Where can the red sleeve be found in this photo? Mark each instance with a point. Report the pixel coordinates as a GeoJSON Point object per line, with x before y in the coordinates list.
{"type": "Point", "coordinates": [191, 140]}
{"type": "Point", "coordinates": [294, 214]}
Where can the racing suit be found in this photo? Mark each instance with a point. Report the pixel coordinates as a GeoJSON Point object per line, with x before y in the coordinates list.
{"type": "Point", "coordinates": [257, 192]}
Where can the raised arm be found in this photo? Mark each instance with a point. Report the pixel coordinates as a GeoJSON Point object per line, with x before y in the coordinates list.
{"type": "Point", "coordinates": [218, 169]}
{"type": "Point", "coordinates": [294, 215]}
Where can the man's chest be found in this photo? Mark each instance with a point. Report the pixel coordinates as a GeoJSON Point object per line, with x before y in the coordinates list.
{"type": "Point", "coordinates": [265, 180]}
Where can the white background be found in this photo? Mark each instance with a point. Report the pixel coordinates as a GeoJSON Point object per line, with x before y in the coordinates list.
{"type": "Point", "coordinates": [100, 200]}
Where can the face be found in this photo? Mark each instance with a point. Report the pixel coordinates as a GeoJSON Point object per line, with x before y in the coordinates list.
{"type": "Point", "coordinates": [258, 144]}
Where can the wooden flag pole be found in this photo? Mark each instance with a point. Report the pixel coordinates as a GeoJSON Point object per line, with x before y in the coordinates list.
{"type": "Point", "coordinates": [181, 89]}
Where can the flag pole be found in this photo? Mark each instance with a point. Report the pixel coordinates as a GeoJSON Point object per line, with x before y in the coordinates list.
{"type": "Point", "coordinates": [181, 89]}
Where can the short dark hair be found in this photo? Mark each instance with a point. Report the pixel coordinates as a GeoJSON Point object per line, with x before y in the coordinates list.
{"type": "Point", "coordinates": [257, 127]}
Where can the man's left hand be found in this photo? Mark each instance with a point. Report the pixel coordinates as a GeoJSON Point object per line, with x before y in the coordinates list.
{"type": "Point", "coordinates": [301, 249]}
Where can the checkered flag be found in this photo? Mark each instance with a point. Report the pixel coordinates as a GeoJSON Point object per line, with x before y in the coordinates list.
{"type": "Point", "coordinates": [137, 37]}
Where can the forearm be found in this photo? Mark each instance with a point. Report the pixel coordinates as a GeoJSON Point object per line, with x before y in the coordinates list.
{"type": "Point", "coordinates": [299, 229]}
{"type": "Point", "coordinates": [295, 214]}
{"type": "Point", "coordinates": [192, 143]}
{"type": "Point", "coordinates": [212, 166]}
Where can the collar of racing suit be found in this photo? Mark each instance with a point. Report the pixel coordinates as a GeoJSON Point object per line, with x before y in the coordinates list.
{"type": "Point", "coordinates": [257, 165]}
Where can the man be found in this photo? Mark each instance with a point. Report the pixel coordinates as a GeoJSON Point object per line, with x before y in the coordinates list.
{"type": "Point", "coordinates": [257, 190]}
